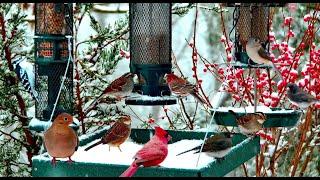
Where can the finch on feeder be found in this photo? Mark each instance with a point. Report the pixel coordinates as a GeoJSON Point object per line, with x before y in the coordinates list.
{"type": "Point", "coordinates": [249, 124]}
{"type": "Point", "coordinates": [258, 54]}
{"type": "Point", "coordinates": [119, 88]}
{"type": "Point", "coordinates": [183, 88]}
{"type": "Point", "coordinates": [60, 140]}
{"type": "Point", "coordinates": [117, 134]}
{"type": "Point", "coordinates": [299, 97]}
{"type": "Point", "coordinates": [152, 153]}
{"type": "Point", "coordinates": [217, 146]}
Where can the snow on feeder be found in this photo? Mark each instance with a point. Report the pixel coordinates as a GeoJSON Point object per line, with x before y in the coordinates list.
{"type": "Point", "coordinates": [276, 117]}
{"type": "Point", "coordinates": [251, 20]}
{"type": "Point", "coordinates": [104, 163]}
{"type": "Point", "coordinates": [150, 52]}
{"type": "Point", "coordinates": [52, 52]}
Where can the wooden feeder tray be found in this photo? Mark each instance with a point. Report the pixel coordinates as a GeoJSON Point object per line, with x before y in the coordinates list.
{"type": "Point", "coordinates": [276, 118]}
{"type": "Point", "coordinates": [244, 149]}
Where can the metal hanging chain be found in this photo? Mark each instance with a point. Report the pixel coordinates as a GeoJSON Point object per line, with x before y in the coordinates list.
{"type": "Point", "coordinates": [64, 76]}
{"type": "Point", "coordinates": [235, 22]}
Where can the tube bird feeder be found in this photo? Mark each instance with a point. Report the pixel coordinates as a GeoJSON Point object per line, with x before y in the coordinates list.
{"type": "Point", "coordinates": [251, 20]}
{"type": "Point", "coordinates": [150, 51]}
{"type": "Point", "coordinates": [52, 23]}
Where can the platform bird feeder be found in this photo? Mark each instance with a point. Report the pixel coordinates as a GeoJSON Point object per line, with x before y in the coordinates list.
{"type": "Point", "coordinates": [150, 52]}
{"type": "Point", "coordinates": [53, 23]}
{"type": "Point", "coordinates": [251, 20]}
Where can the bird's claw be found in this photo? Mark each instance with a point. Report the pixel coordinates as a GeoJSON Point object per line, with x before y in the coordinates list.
{"type": "Point", "coordinates": [70, 161]}
{"type": "Point", "coordinates": [54, 162]}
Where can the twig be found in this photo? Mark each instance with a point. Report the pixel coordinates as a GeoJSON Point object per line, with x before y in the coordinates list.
{"type": "Point", "coordinates": [245, 169]}
{"type": "Point", "coordinates": [170, 122]}
{"type": "Point", "coordinates": [18, 140]}
{"type": "Point", "coordinates": [186, 114]}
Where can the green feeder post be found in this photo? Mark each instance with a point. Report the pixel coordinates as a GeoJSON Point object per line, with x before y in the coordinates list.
{"type": "Point", "coordinates": [150, 51]}
{"type": "Point", "coordinates": [52, 23]}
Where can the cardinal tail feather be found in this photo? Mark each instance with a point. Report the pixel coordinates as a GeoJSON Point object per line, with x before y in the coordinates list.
{"type": "Point", "coordinates": [130, 171]}
{"type": "Point", "coordinates": [93, 145]}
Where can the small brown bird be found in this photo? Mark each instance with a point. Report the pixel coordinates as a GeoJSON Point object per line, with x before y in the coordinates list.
{"type": "Point", "coordinates": [117, 134]}
{"type": "Point", "coordinates": [217, 146]}
{"type": "Point", "coordinates": [60, 140]}
{"type": "Point", "coordinates": [183, 88]}
{"type": "Point", "coordinates": [249, 124]}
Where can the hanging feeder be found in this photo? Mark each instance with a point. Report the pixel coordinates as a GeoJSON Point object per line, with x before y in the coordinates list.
{"type": "Point", "coordinates": [51, 57]}
{"type": "Point", "coordinates": [150, 52]}
{"type": "Point", "coordinates": [247, 147]}
{"type": "Point", "coordinates": [251, 20]}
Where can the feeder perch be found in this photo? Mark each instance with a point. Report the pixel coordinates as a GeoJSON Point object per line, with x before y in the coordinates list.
{"type": "Point", "coordinates": [150, 51]}
{"type": "Point", "coordinates": [243, 149]}
{"type": "Point", "coordinates": [251, 20]}
{"type": "Point", "coordinates": [276, 117]}
{"type": "Point", "coordinates": [53, 23]}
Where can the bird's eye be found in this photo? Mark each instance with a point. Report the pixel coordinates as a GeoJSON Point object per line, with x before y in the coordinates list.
{"type": "Point", "coordinates": [65, 119]}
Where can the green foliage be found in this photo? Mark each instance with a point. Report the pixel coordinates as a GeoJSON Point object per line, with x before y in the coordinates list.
{"type": "Point", "coordinates": [11, 134]}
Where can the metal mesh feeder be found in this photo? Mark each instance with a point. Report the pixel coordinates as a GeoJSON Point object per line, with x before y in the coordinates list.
{"type": "Point", "coordinates": [150, 51]}
{"type": "Point", "coordinates": [51, 57]}
{"type": "Point", "coordinates": [251, 20]}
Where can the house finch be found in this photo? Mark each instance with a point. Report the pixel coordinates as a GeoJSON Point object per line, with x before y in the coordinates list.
{"type": "Point", "coordinates": [216, 146]}
{"type": "Point", "coordinates": [117, 134]}
{"type": "Point", "coordinates": [152, 153]}
{"type": "Point", "coordinates": [299, 97]}
{"type": "Point", "coordinates": [120, 88]}
{"type": "Point", "coordinates": [258, 54]}
{"type": "Point", "coordinates": [183, 88]}
{"type": "Point", "coordinates": [249, 124]}
{"type": "Point", "coordinates": [60, 140]}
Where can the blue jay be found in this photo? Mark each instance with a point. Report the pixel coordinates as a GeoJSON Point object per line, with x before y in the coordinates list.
{"type": "Point", "coordinates": [26, 75]}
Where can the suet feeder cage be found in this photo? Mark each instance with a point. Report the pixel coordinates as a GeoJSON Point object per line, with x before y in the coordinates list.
{"type": "Point", "coordinates": [247, 147]}
{"type": "Point", "coordinates": [150, 51]}
{"type": "Point", "coordinates": [250, 20]}
{"type": "Point", "coordinates": [53, 23]}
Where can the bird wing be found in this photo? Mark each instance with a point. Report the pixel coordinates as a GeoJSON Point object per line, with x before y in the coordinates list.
{"type": "Point", "coordinates": [244, 119]}
{"type": "Point", "coordinates": [116, 85]}
{"type": "Point", "coordinates": [115, 132]}
{"type": "Point", "coordinates": [181, 87]}
{"type": "Point", "coordinates": [305, 97]}
{"type": "Point", "coordinates": [216, 143]}
{"type": "Point", "coordinates": [150, 154]}
{"type": "Point", "coordinates": [262, 53]}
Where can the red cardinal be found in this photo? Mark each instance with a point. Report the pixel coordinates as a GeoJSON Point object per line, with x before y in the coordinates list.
{"type": "Point", "coordinates": [120, 88]}
{"type": "Point", "coordinates": [183, 88]}
{"type": "Point", "coordinates": [153, 152]}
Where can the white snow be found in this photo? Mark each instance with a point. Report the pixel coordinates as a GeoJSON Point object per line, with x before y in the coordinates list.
{"type": "Point", "coordinates": [150, 98]}
{"type": "Point", "coordinates": [250, 109]}
{"type": "Point", "coordinates": [101, 154]}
